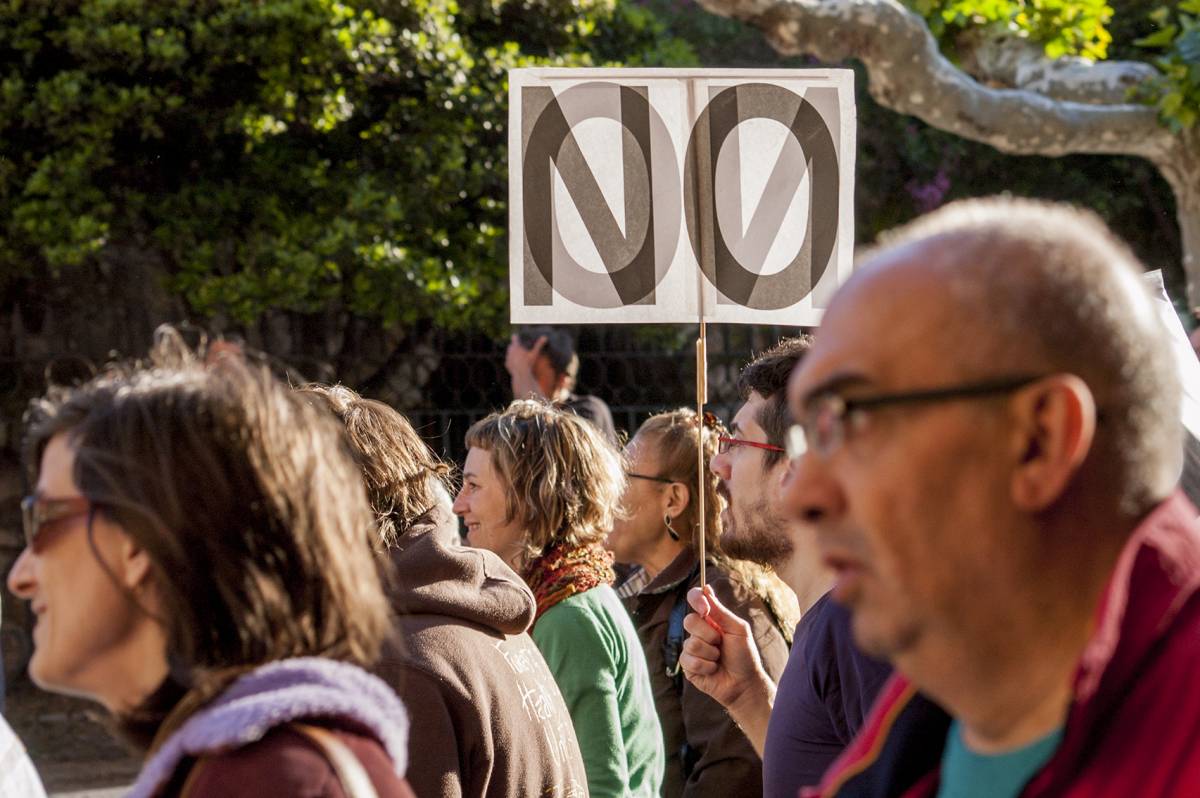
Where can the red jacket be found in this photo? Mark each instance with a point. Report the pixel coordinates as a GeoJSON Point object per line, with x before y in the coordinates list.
{"type": "Point", "coordinates": [284, 763]}
{"type": "Point", "coordinates": [1133, 727]}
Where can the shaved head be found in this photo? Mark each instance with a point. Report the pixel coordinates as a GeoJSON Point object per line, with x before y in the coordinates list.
{"type": "Point", "coordinates": [1027, 288]}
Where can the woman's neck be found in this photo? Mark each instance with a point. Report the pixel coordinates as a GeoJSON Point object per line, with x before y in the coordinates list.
{"type": "Point", "coordinates": [665, 553]}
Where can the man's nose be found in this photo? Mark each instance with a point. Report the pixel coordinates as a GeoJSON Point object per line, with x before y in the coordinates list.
{"type": "Point", "coordinates": [719, 465]}
{"type": "Point", "coordinates": [810, 491]}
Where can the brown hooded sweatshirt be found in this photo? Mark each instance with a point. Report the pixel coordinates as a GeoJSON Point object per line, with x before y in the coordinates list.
{"type": "Point", "coordinates": [487, 716]}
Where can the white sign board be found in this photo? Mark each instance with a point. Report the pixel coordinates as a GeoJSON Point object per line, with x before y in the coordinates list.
{"type": "Point", "coordinates": [667, 195]}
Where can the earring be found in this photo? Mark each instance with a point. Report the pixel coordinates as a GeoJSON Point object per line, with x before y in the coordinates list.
{"type": "Point", "coordinates": [670, 529]}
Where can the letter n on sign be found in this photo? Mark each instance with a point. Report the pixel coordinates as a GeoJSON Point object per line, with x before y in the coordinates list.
{"type": "Point", "coordinates": [658, 195]}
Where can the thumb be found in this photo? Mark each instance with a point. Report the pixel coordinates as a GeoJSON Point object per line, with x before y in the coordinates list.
{"type": "Point", "coordinates": [707, 606]}
{"type": "Point", "coordinates": [538, 344]}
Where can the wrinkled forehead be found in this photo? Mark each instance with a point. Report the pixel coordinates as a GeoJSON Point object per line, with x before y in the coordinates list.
{"type": "Point", "coordinates": [894, 325]}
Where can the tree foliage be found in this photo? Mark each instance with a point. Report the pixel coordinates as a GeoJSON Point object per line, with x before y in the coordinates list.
{"type": "Point", "coordinates": [1177, 41]}
{"type": "Point", "coordinates": [1063, 27]}
{"type": "Point", "coordinates": [287, 154]}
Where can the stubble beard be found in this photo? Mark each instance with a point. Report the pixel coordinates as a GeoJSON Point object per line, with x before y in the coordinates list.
{"type": "Point", "coordinates": [757, 534]}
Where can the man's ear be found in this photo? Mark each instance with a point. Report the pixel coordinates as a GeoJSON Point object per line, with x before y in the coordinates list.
{"type": "Point", "coordinates": [1055, 428]}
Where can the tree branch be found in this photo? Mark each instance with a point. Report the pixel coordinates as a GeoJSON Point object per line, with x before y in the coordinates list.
{"type": "Point", "coordinates": [999, 59]}
{"type": "Point", "coordinates": [909, 74]}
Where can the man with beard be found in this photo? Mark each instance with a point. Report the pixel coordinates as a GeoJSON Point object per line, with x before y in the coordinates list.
{"type": "Point", "coordinates": [827, 687]}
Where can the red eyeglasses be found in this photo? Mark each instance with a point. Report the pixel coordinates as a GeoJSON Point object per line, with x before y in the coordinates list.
{"type": "Point", "coordinates": [725, 443]}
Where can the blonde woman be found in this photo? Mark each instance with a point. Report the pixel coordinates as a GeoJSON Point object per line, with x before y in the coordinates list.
{"type": "Point", "coordinates": [707, 754]}
{"type": "Point", "coordinates": [540, 487]}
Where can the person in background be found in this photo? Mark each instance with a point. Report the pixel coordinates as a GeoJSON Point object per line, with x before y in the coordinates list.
{"type": "Point", "coordinates": [988, 447]}
{"type": "Point", "coordinates": [540, 489]}
{"type": "Point", "coordinates": [542, 364]}
{"type": "Point", "coordinates": [199, 559]}
{"type": "Point", "coordinates": [463, 665]}
{"type": "Point", "coordinates": [707, 754]}
{"type": "Point", "coordinates": [828, 685]}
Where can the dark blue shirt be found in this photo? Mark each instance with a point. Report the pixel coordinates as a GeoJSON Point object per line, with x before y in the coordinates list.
{"type": "Point", "coordinates": [825, 692]}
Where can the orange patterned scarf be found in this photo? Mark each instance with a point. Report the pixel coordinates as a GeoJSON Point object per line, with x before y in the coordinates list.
{"type": "Point", "coordinates": [562, 572]}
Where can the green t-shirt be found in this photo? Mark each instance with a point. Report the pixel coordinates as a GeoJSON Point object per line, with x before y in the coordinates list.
{"type": "Point", "coordinates": [967, 774]}
{"type": "Point", "coordinates": [594, 653]}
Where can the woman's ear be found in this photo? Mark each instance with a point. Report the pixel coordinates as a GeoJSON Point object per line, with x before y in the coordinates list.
{"type": "Point", "coordinates": [677, 497]}
{"type": "Point", "coordinates": [134, 569]}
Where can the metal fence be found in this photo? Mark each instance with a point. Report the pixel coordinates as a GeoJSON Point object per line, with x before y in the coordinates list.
{"type": "Point", "coordinates": [637, 371]}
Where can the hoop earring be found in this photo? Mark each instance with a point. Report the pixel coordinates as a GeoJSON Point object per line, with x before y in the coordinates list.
{"type": "Point", "coordinates": [670, 529]}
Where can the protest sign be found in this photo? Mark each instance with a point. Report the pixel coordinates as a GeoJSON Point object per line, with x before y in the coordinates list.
{"type": "Point", "coordinates": [1189, 378]}
{"type": "Point", "coordinates": [664, 195]}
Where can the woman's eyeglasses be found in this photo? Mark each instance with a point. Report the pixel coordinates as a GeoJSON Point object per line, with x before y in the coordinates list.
{"type": "Point", "coordinates": [40, 516]}
{"type": "Point", "coordinates": [634, 475]}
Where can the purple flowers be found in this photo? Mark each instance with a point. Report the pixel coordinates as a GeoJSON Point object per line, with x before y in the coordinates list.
{"type": "Point", "coordinates": [929, 195]}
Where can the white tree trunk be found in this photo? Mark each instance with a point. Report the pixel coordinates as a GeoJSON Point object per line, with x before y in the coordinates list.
{"type": "Point", "coordinates": [1029, 105]}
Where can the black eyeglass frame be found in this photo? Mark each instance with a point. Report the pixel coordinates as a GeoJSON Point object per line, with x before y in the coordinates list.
{"type": "Point", "coordinates": [841, 408]}
{"type": "Point", "coordinates": [664, 480]}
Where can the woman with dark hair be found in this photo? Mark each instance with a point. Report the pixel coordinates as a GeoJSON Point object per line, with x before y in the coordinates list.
{"type": "Point", "coordinates": [540, 487]}
{"type": "Point", "coordinates": [199, 558]}
{"type": "Point", "coordinates": [707, 754]}
{"type": "Point", "coordinates": [465, 667]}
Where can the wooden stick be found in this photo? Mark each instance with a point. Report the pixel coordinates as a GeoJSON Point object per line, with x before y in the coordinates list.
{"type": "Point", "coordinates": [701, 398]}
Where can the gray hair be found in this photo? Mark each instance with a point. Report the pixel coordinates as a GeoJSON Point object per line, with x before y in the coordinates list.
{"type": "Point", "coordinates": [1060, 292]}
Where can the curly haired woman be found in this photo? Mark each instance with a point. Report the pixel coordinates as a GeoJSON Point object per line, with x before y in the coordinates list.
{"type": "Point", "coordinates": [540, 487]}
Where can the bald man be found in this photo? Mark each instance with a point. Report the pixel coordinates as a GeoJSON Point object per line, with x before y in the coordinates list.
{"type": "Point", "coordinates": [988, 444]}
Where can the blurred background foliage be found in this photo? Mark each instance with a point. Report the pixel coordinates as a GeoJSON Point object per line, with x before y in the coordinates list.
{"type": "Point", "coordinates": [310, 156]}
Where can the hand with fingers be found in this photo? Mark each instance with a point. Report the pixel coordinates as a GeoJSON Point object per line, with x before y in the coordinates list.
{"type": "Point", "coordinates": [520, 363]}
{"type": "Point", "coordinates": [720, 658]}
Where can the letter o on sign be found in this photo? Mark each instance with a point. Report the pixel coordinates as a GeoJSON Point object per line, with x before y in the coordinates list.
{"type": "Point", "coordinates": [726, 111]}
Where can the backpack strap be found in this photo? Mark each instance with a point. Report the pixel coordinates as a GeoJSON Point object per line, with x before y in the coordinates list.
{"type": "Point", "coordinates": [349, 771]}
{"type": "Point", "coordinates": [673, 643]}
{"type": "Point", "coordinates": [672, 648]}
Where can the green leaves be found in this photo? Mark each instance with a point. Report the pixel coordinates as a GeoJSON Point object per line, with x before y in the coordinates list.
{"type": "Point", "coordinates": [1063, 27]}
{"type": "Point", "coordinates": [1176, 94]}
{"type": "Point", "coordinates": [293, 154]}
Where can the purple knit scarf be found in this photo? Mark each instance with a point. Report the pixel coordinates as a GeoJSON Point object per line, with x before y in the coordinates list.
{"type": "Point", "coordinates": [274, 695]}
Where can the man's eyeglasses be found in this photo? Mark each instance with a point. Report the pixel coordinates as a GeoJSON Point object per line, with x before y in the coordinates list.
{"type": "Point", "coordinates": [725, 443]}
{"type": "Point", "coordinates": [40, 515]}
{"type": "Point", "coordinates": [634, 475]}
{"type": "Point", "coordinates": [823, 427]}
